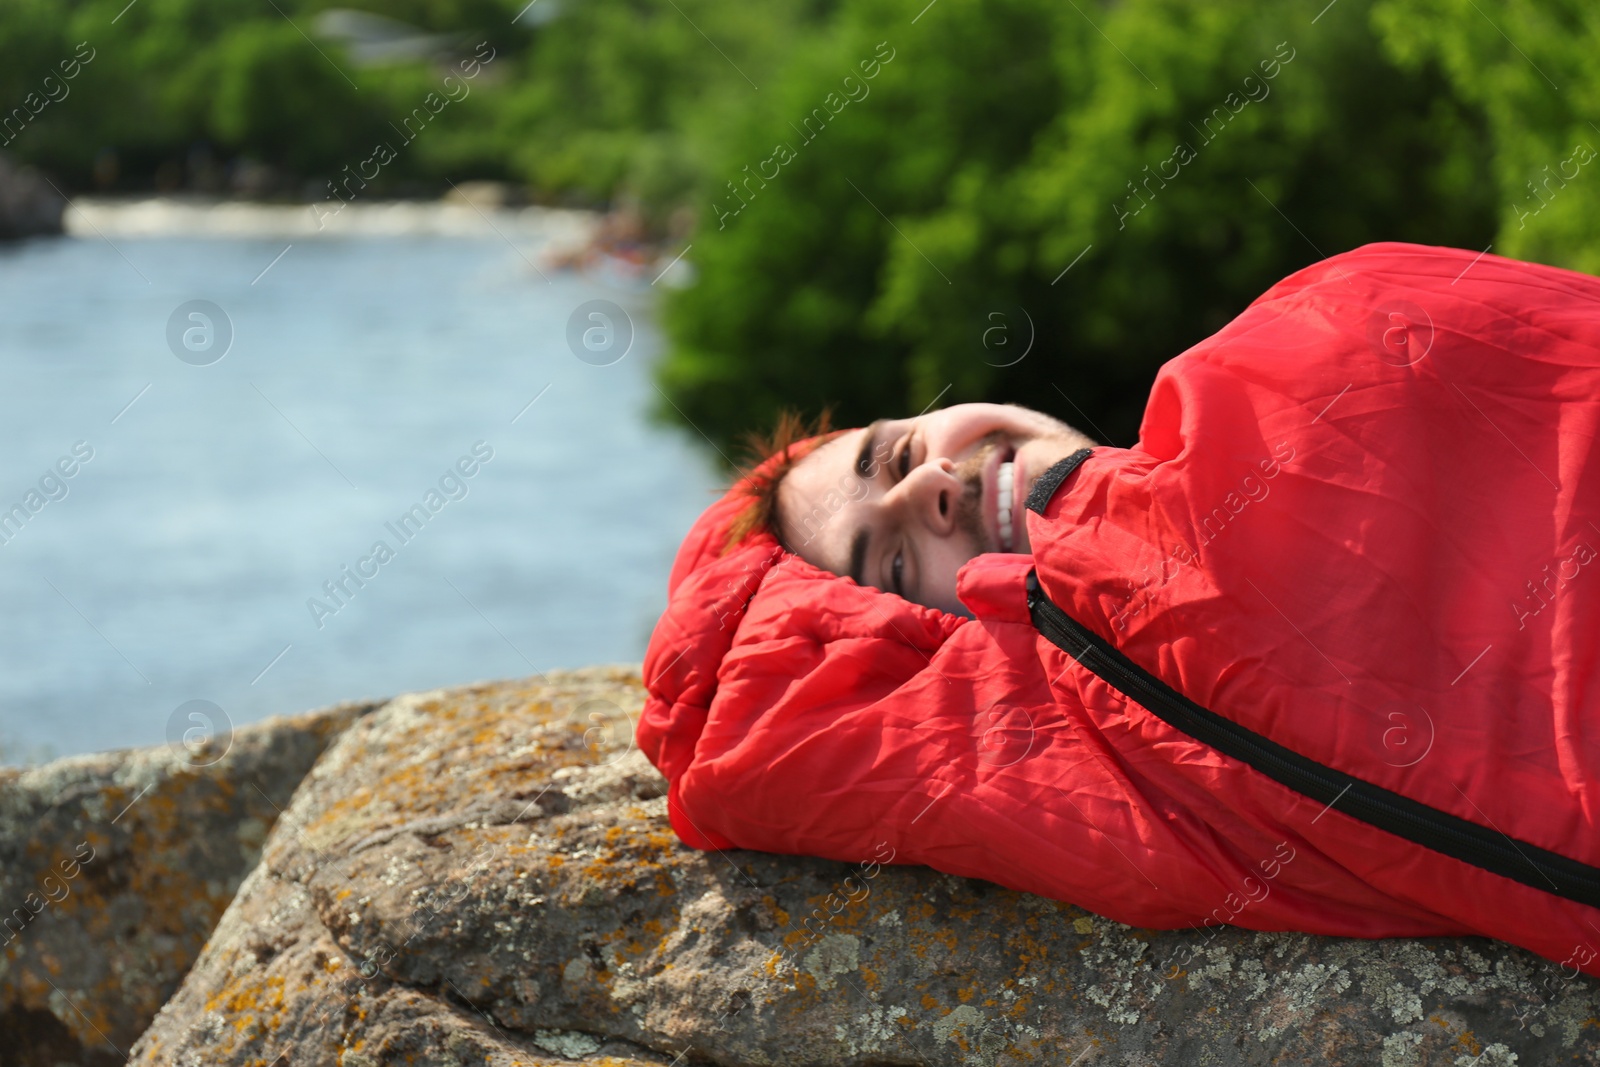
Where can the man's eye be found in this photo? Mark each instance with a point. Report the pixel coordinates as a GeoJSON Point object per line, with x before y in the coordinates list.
{"type": "Point", "coordinates": [905, 459]}
{"type": "Point", "coordinates": [897, 571]}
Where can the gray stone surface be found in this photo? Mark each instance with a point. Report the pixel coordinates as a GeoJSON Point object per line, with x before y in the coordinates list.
{"type": "Point", "coordinates": [487, 875]}
{"type": "Point", "coordinates": [114, 868]}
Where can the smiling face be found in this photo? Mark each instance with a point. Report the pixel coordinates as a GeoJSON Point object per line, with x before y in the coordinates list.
{"type": "Point", "coordinates": [903, 503]}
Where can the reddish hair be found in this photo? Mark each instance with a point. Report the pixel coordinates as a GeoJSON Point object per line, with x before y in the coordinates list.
{"type": "Point", "coordinates": [775, 455]}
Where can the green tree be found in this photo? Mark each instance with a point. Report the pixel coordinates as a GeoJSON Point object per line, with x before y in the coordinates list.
{"type": "Point", "coordinates": [1010, 141]}
{"type": "Point", "coordinates": [1531, 68]}
{"type": "Point", "coordinates": [616, 93]}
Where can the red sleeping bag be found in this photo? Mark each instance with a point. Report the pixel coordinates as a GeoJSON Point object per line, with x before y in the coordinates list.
{"type": "Point", "coordinates": [1317, 653]}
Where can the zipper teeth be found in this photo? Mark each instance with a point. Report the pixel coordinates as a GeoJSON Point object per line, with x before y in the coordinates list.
{"type": "Point", "coordinates": [1506, 859]}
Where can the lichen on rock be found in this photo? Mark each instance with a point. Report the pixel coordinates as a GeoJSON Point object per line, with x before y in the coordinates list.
{"type": "Point", "coordinates": [479, 868]}
{"type": "Point", "coordinates": [115, 867]}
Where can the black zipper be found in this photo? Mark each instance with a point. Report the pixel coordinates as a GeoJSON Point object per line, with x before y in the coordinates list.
{"type": "Point", "coordinates": [1418, 823]}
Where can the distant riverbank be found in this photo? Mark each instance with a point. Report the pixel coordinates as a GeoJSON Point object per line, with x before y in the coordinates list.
{"type": "Point", "coordinates": [200, 217]}
{"type": "Point", "coordinates": [609, 248]}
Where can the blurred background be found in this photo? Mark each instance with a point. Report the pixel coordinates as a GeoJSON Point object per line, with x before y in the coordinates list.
{"type": "Point", "coordinates": [604, 239]}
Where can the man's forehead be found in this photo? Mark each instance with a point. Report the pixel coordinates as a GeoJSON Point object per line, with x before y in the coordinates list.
{"type": "Point", "coordinates": [819, 471]}
{"type": "Point", "coordinates": [814, 492]}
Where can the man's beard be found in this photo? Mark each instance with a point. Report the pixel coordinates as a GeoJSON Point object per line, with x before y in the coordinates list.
{"type": "Point", "coordinates": [969, 507]}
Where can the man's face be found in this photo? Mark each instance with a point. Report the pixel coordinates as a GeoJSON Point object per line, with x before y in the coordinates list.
{"type": "Point", "coordinates": [902, 504]}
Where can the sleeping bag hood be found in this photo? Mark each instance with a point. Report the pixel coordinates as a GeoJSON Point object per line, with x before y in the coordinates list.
{"type": "Point", "coordinates": [1317, 653]}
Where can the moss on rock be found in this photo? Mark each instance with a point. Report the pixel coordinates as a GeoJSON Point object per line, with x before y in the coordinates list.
{"type": "Point", "coordinates": [486, 872]}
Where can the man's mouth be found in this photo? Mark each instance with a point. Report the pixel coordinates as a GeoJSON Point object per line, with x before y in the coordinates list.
{"type": "Point", "coordinates": [994, 486]}
{"type": "Point", "coordinates": [1005, 482]}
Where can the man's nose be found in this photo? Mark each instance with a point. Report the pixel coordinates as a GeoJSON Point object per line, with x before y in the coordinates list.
{"type": "Point", "coordinates": [929, 495]}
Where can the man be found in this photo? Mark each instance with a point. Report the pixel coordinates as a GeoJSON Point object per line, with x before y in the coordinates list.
{"type": "Point", "coordinates": [904, 503]}
{"type": "Point", "coordinates": [1317, 653]}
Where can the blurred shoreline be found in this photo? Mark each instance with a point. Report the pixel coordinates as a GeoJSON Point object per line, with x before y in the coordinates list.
{"type": "Point", "coordinates": [607, 246]}
{"type": "Point", "coordinates": [191, 216]}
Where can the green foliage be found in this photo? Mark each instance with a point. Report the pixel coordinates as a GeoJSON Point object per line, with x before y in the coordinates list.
{"type": "Point", "coordinates": [780, 315]}
{"type": "Point", "coordinates": [895, 202]}
{"type": "Point", "coordinates": [267, 89]}
{"type": "Point", "coordinates": [611, 91]}
{"type": "Point", "coordinates": [240, 78]}
{"type": "Point", "coordinates": [1531, 68]}
{"type": "Point", "coordinates": [1011, 139]}
{"type": "Point", "coordinates": [597, 99]}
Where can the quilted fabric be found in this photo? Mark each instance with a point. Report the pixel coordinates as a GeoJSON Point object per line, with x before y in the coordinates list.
{"type": "Point", "coordinates": [1362, 520]}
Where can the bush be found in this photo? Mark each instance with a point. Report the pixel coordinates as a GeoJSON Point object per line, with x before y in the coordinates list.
{"type": "Point", "coordinates": [1011, 139]}
{"type": "Point", "coordinates": [1531, 69]}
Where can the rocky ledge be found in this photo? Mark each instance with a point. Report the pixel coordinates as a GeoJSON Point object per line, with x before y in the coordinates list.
{"type": "Point", "coordinates": [114, 869]}
{"type": "Point", "coordinates": [486, 875]}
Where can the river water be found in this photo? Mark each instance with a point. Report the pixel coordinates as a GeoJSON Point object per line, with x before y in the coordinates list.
{"type": "Point", "coordinates": [184, 559]}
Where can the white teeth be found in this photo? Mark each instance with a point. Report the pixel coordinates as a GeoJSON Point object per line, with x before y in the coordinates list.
{"type": "Point", "coordinates": [1003, 499]}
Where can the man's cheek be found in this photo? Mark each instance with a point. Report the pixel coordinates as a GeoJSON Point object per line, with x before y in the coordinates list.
{"type": "Point", "coordinates": [854, 488]}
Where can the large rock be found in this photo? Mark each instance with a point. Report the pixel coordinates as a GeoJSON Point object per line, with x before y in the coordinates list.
{"type": "Point", "coordinates": [115, 867]}
{"type": "Point", "coordinates": [487, 875]}
{"type": "Point", "coordinates": [29, 206]}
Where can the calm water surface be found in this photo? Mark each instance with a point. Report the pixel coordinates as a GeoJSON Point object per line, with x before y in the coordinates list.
{"type": "Point", "coordinates": [179, 562]}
